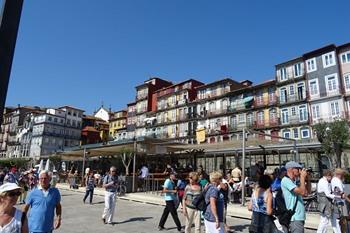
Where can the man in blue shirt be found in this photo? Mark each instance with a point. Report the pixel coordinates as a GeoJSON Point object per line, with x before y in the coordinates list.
{"type": "Point", "coordinates": [293, 193]}
{"type": "Point", "coordinates": [42, 202]}
{"type": "Point", "coordinates": [170, 192]}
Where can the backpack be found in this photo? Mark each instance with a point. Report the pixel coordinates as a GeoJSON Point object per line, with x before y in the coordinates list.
{"type": "Point", "coordinates": [283, 214]}
{"type": "Point", "coordinates": [199, 201]}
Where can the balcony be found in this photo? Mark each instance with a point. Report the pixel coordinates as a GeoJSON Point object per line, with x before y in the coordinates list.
{"type": "Point", "coordinates": [217, 112]}
{"type": "Point", "coordinates": [182, 117]}
{"type": "Point", "coordinates": [329, 117]}
{"type": "Point", "coordinates": [266, 101]}
{"type": "Point", "coordinates": [141, 96]}
{"type": "Point", "coordinates": [292, 98]}
{"type": "Point", "coordinates": [266, 124]}
{"type": "Point", "coordinates": [334, 92]}
{"type": "Point", "coordinates": [293, 120]}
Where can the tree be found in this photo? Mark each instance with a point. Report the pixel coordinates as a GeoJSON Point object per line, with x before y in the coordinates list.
{"type": "Point", "coordinates": [333, 137]}
{"type": "Point", "coordinates": [126, 154]}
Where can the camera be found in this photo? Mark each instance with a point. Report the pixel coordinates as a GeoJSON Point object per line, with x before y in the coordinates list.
{"type": "Point", "coordinates": [309, 170]}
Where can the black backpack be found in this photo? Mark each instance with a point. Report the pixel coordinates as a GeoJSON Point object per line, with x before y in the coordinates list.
{"type": "Point", "coordinates": [199, 201]}
{"type": "Point", "coordinates": [283, 214]}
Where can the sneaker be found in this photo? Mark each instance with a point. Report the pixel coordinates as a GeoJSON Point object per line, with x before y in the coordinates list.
{"type": "Point", "coordinates": [160, 228]}
{"type": "Point", "coordinates": [104, 220]}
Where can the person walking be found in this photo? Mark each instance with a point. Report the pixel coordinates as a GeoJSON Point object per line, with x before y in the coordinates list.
{"type": "Point", "coordinates": [90, 186]}
{"type": "Point", "coordinates": [110, 183]}
{"type": "Point", "coordinates": [192, 190]}
{"type": "Point", "coordinates": [325, 199]}
{"type": "Point", "coordinates": [261, 205]}
{"type": "Point", "coordinates": [214, 213]}
{"type": "Point", "coordinates": [294, 194]}
{"type": "Point", "coordinates": [340, 204]}
{"type": "Point", "coordinates": [43, 201]}
{"type": "Point", "coordinates": [169, 190]}
{"type": "Point", "coordinates": [11, 219]}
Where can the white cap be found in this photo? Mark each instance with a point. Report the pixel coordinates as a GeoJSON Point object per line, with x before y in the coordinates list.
{"type": "Point", "coordinates": [9, 187]}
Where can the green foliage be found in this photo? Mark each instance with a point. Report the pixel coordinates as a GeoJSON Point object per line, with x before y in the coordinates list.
{"type": "Point", "coordinates": [347, 178]}
{"type": "Point", "coordinates": [18, 162]}
{"type": "Point", "coordinates": [334, 137]}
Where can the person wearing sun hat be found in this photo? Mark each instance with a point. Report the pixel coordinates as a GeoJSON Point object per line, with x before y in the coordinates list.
{"type": "Point", "coordinates": [12, 219]}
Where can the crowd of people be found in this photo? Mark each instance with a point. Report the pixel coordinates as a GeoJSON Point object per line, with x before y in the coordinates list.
{"type": "Point", "coordinates": [276, 199]}
{"type": "Point", "coordinates": [36, 191]}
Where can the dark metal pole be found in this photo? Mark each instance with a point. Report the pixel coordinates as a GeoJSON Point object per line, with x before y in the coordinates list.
{"type": "Point", "coordinates": [10, 19]}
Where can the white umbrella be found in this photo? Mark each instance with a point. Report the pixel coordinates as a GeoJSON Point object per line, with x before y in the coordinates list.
{"type": "Point", "coordinates": [41, 166]}
{"type": "Point", "coordinates": [47, 166]}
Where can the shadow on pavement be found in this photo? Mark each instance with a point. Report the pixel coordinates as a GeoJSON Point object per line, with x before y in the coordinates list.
{"type": "Point", "coordinates": [137, 219]}
{"type": "Point", "coordinates": [97, 203]}
{"type": "Point", "coordinates": [239, 227]}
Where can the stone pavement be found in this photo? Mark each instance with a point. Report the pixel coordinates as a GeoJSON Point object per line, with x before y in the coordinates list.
{"type": "Point", "coordinates": [233, 210]}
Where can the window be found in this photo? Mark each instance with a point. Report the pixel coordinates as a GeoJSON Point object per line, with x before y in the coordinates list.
{"type": "Point", "coordinates": [305, 133]}
{"type": "Point", "coordinates": [313, 87]}
{"type": "Point", "coordinates": [283, 95]}
{"type": "Point", "coordinates": [55, 120]}
{"type": "Point", "coordinates": [297, 70]}
{"type": "Point", "coordinates": [50, 118]}
{"type": "Point", "coordinates": [285, 118]}
{"type": "Point", "coordinates": [347, 81]}
{"type": "Point", "coordinates": [286, 133]}
{"type": "Point", "coordinates": [345, 57]}
{"type": "Point", "coordinates": [302, 113]}
{"type": "Point", "coordinates": [283, 73]}
{"type": "Point", "coordinates": [291, 90]}
{"type": "Point", "coordinates": [241, 117]}
{"type": "Point", "coordinates": [316, 111]}
{"type": "Point", "coordinates": [261, 117]}
{"type": "Point", "coordinates": [295, 133]}
{"type": "Point", "coordinates": [332, 84]}
{"type": "Point", "coordinates": [311, 65]}
{"type": "Point", "coordinates": [334, 108]}
{"type": "Point", "coordinates": [328, 59]}
{"type": "Point", "coordinates": [293, 111]}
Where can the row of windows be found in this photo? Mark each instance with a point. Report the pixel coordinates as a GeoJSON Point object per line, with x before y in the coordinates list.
{"type": "Point", "coordinates": [296, 133]}
{"type": "Point", "coordinates": [328, 60]}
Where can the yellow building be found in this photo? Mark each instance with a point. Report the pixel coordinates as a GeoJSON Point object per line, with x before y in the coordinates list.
{"type": "Point", "coordinates": [117, 123]}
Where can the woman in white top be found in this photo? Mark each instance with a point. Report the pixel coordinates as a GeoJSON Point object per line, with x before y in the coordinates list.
{"type": "Point", "coordinates": [11, 219]}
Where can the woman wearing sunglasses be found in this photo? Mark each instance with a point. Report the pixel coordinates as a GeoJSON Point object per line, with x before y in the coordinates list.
{"type": "Point", "coordinates": [11, 218]}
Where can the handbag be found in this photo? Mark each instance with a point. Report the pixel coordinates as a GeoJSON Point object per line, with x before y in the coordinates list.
{"type": "Point", "coordinates": [285, 217]}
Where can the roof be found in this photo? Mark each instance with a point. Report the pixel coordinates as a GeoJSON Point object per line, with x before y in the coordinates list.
{"type": "Point", "coordinates": [90, 129]}
{"type": "Point", "coordinates": [67, 106]}
{"type": "Point", "coordinates": [91, 117]}
{"type": "Point", "coordinates": [343, 46]}
{"type": "Point", "coordinates": [293, 60]}
{"type": "Point", "coordinates": [218, 82]}
{"type": "Point", "coordinates": [316, 52]}
{"type": "Point", "coordinates": [177, 84]}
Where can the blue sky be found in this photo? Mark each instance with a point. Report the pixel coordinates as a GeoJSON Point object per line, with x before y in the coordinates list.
{"type": "Point", "coordinates": [83, 52]}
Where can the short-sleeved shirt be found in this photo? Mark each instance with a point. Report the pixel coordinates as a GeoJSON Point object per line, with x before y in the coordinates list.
{"type": "Point", "coordinates": [42, 209]}
{"type": "Point", "coordinates": [290, 197]}
{"type": "Point", "coordinates": [169, 185]}
{"type": "Point", "coordinates": [109, 179]}
{"type": "Point", "coordinates": [215, 193]}
{"type": "Point", "coordinates": [190, 194]}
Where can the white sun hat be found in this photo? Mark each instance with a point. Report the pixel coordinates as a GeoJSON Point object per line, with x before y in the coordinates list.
{"type": "Point", "coordinates": [9, 187]}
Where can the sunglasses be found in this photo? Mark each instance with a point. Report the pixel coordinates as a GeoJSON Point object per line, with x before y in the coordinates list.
{"type": "Point", "coordinates": [14, 194]}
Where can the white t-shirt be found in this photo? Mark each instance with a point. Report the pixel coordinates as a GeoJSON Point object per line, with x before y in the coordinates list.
{"type": "Point", "coordinates": [325, 187]}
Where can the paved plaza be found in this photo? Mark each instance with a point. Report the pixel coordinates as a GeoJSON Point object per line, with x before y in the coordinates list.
{"type": "Point", "coordinates": [130, 216]}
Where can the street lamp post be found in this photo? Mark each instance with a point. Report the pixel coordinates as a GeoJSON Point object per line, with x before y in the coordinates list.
{"type": "Point", "coordinates": [243, 168]}
{"type": "Point", "coordinates": [134, 166]}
